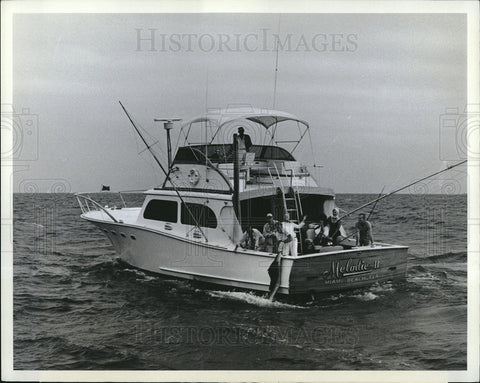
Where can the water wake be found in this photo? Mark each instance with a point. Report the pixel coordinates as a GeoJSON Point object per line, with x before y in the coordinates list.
{"type": "Point", "coordinates": [367, 296]}
{"type": "Point", "coordinates": [251, 298]}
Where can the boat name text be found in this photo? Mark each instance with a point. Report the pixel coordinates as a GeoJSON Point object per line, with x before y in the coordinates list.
{"type": "Point", "coordinates": [340, 269]}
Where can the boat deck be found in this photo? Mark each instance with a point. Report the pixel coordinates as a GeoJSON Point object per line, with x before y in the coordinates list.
{"type": "Point", "coordinates": [128, 215]}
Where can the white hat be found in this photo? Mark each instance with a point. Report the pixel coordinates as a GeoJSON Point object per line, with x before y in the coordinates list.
{"type": "Point", "coordinates": [269, 215]}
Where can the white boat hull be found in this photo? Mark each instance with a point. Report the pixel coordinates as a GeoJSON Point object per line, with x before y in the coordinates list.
{"type": "Point", "coordinates": [169, 255]}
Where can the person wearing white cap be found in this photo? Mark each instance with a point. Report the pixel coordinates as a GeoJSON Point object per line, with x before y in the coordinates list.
{"type": "Point", "coordinates": [269, 232]}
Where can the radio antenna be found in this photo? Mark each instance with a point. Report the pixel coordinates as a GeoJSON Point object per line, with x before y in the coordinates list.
{"type": "Point", "coordinates": [276, 72]}
{"type": "Point", "coordinates": [277, 38]}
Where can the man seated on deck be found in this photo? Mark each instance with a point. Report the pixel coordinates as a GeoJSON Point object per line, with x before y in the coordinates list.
{"type": "Point", "coordinates": [314, 235]}
{"type": "Point", "coordinates": [364, 231]}
{"type": "Point", "coordinates": [251, 239]}
{"type": "Point", "coordinates": [335, 228]}
{"type": "Point", "coordinates": [270, 233]}
{"type": "Point", "coordinates": [288, 228]}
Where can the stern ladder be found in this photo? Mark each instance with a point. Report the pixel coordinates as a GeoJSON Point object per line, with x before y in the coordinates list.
{"type": "Point", "coordinates": [291, 205]}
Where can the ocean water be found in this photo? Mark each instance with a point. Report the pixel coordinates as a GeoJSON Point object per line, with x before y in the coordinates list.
{"type": "Point", "coordinates": [76, 306]}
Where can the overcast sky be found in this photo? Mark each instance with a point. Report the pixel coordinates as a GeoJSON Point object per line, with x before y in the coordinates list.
{"type": "Point", "coordinates": [374, 88]}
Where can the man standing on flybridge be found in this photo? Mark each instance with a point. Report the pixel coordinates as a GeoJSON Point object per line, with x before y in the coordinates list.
{"type": "Point", "coordinates": [244, 143]}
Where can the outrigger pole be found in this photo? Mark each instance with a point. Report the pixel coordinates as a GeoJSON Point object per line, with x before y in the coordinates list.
{"type": "Point", "coordinates": [375, 204]}
{"type": "Point", "coordinates": [163, 170]}
{"type": "Point", "coordinates": [402, 188]}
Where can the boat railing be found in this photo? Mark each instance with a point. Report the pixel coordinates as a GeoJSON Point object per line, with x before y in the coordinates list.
{"type": "Point", "coordinates": [275, 173]}
{"type": "Point", "coordinates": [87, 204]}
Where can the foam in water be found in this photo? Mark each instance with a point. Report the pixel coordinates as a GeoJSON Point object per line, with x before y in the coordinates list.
{"type": "Point", "coordinates": [141, 275]}
{"type": "Point", "coordinates": [368, 296]}
{"type": "Point", "coordinates": [382, 288]}
{"type": "Point", "coordinates": [423, 277]}
{"type": "Point", "coordinates": [251, 299]}
{"type": "Point", "coordinates": [336, 297]}
{"type": "Point", "coordinates": [35, 225]}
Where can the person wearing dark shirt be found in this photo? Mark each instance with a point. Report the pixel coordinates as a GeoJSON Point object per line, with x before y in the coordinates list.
{"type": "Point", "coordinates": [270, 232]}
{"type": "Point", "coordinates": [244, 143]}
{"type": "Point", "coordinates": [364, 231]}
{"type": "Point", "coordinates": [335, 228]}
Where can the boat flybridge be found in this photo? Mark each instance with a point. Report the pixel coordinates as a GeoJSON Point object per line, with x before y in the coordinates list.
{"type": "Point", "coordinates": [191, 225]}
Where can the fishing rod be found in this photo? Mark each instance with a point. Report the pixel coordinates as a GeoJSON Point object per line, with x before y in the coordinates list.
{"type": "Point", "coordinates": [371, 211]}
{"type": "Point", "coordinates": [380, 197]}
{"type": "Point", "coordinates": [143, 139]}
{"type": "Point", "coordinates": [163, 170]}
{"type": "Point", "coordinates": [375, 205]}
{"type": "Point", "coordinates": [402, 188]}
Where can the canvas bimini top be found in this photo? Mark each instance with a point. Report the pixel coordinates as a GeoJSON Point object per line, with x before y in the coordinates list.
{"type": "Point", "coordinates": [265, 117]}
{"type": "Point", "coordinates": [218, 120]}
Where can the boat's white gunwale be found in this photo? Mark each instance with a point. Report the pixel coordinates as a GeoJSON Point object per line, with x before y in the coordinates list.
{"type": "Point", "coordinates": [109, 209]}
{"type": "Point", "coordinates": [127, 208]}
{"type": "Point", "coordinates": [250, 252]}
{"type": "Point", "coordinates": [363, 249]}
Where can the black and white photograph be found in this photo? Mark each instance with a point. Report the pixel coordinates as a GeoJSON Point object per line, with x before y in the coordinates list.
{"type": "Point", "coordinates": [208, 191]}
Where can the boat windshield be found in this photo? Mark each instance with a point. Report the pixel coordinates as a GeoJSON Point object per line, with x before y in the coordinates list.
{"type": "Point", "coordinates": [219, 154]}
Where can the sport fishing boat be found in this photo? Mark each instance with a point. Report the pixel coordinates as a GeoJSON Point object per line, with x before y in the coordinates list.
{"type": "Point", "coordinates": [214, 189]}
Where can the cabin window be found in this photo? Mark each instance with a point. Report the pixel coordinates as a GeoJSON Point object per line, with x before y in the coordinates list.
{"type": "Point", "coordinates": [218, 153]}
{"type": "Point", "coordinates": [275, 153]}
{"type": "Point", "coordinates": [159, 210]}
{"type": "Point", "coordinates": [203, 215]}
